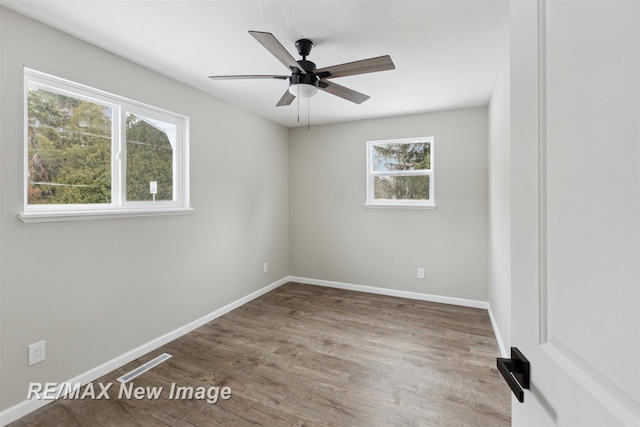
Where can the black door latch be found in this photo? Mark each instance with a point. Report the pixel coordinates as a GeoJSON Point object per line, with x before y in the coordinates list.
{"type": "Point", "coordinates": [516, 372]}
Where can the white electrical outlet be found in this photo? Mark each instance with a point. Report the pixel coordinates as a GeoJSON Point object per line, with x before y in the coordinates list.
{"type": "Point", "coordinates": [420, 273]}
{"type": "Point", "coordinates": [265, 267]}
{"type": "Point", "coordinates": [36, 353]}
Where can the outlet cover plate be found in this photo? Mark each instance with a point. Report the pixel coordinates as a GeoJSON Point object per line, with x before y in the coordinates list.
{"type": "Point", "coordinates": [36, 353]}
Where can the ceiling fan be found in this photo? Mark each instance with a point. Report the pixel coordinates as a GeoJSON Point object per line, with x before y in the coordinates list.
{"type": "Point", "coordinates": [305, 78]}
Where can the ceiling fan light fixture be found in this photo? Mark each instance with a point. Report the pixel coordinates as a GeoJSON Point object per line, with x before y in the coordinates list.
{"type": "Point", "coordinates": [303, 85]}
{"type": "Point", "coordinates": [303, 90]}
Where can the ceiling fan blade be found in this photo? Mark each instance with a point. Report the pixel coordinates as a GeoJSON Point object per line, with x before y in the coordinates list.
{"type": "Point", "coordinates": [371, 65]}
{"type": "Point", "coordinates": [275, 47]}
{"type": "Point", "coordinates": [243, 77]}
{"type": "Point", "coordinates": [343, 92]}
{"type": "Point", "coordinates": [286, 99]}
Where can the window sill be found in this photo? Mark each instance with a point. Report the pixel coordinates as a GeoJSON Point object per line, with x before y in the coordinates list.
{"type": "Point", "coordinates": [398, 206]}
{"type": "Point", "coordinates": [29, 217]}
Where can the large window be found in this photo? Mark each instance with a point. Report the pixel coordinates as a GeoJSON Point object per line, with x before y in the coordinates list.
{"type": "Point", "coordinates": [400, 173]}
{"type": "Point", "coordinates": [90, 153]}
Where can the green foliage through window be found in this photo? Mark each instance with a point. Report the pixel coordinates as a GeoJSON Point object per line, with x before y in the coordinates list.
{"type": "Point", "coordinates": [408, 156]}
{"type": "Point", "coordinates": [401, 187]}
{"type": "Point", "coordinates": [149, 158]}
{"type": "Point", "coordinates": [69, 150]}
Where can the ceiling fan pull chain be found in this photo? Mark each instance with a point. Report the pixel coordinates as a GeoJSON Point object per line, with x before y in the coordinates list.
{"type": "Point", "coordinates": [308, 114]}
{"type": "Point", "coordinates": [298, 98]}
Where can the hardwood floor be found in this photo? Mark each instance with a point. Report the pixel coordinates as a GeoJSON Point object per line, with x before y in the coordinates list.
{"type": "Point", "coordinates": [308, 355]}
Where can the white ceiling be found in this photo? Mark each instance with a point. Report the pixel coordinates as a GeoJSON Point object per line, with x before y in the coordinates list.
{"type": "Point", "coordinates": [447, 53]}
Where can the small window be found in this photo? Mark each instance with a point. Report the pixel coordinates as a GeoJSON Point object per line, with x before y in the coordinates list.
{"type": "Point", "coordinates": [90, 153]}
{"type": "Point", "coordinates": [400, 173]}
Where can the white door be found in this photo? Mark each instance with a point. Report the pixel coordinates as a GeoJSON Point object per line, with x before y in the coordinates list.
{"type": "Point", "coordinates": [575, 158]}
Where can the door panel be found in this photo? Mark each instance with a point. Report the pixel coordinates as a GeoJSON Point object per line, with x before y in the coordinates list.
{"type": "Point", "coordinates": [592, 191]}
{"type": "Point", "coordinates": [575, 142]}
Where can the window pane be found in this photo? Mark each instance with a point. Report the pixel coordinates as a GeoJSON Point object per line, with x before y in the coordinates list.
{"type": "Point", "coordinates": [401, 187]}
{"type": "Point", "coordinates": [149, 158]}
{"type": "Point", "coordinates": [69, 153]}
{"type": "Point", "coordinates": [408, 156]}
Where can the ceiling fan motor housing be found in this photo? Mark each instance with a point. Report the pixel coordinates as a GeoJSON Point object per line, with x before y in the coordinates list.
{"type": "Point", "coordinates": [310, 78]}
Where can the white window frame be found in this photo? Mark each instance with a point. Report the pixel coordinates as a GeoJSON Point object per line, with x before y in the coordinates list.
{"type": "Point", "coordinates": [400, 203]}
{"type": "Point", "coordinates": [119, 206]}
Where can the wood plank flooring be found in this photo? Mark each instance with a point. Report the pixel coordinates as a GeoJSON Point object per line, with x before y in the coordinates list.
{"type": "Point", "coordinates": [314, 356]}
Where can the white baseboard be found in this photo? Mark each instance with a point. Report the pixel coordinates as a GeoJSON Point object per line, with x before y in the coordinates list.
{"type": "Point", "coordinates": [496, 331]}
{"type": "Point", "coordinates": [25, 407]}
{"type": "Point", "coordinates": [392, 292]}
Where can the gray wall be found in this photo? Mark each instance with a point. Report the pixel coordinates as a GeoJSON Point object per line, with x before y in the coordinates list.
{"type": "Point", "coordinates": [97, 289]}
{"type": "Point", "coordinates": [499, 284]}
{"type": "Point", "coordinates": [334, 237]}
